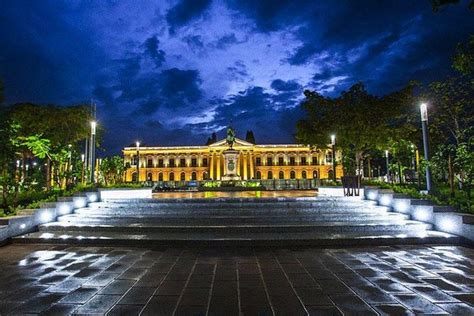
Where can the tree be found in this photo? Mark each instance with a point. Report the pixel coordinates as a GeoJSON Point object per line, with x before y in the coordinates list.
{"type": "Point", "coordinates": [463, 60]}
{"type": "Point", "coordinates": [61, 126]}
{"type": "Point", "coordinates": [362, 122]}
{"type": "Point", "coordinates": [249, 137]}
{"type": "Point", "coordinates": [212, 139]}
{"type": "Point", "coordinates": [112, 169]}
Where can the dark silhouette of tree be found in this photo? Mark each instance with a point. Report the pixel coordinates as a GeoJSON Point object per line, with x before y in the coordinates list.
{"type": "Point", "coordinates": [212, 139]}
{"type": "Point", "coordinates": [250, 137]}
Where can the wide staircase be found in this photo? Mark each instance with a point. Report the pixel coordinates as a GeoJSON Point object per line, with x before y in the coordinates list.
{"type": "Point", "coordinates": [318, 221]}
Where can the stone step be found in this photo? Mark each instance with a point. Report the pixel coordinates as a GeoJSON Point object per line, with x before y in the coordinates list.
{"type": "Point", "coordinates": [317, 199]}
{"type": "Point", "coordinates": [228, 211]}
{"type": "Point", "coordinates": [228, 203]}
{"type": "Point", "coordinates": [224, 219]}
{"type": "Point", "coordinates": [221, 239]}
{"type": "Point", "coordinates": [285, 228]}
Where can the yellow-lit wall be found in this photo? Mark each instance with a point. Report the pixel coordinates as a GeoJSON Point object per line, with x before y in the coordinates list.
{"type": "Point", "coordinates": [247, 163]}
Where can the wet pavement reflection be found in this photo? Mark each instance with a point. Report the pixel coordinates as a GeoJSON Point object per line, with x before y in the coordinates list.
{"type": "Point", "coordinates": [235, 194]}
{"type": "Point", "coordinates": [397, 280]}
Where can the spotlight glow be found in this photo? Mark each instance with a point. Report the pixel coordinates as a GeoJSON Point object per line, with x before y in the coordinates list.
{"type": "Point", "coordinates": [64, 209]}
{"type": "Point", "coordinates": [46, 216]}
{"type": "Point", "coordinates": [80, 203]}
{"type": "Point", "coordinates": [422, 213]}
{"type": "Point", "coordinates": [401, 206]}
{"type": "Point", "coordinates": [22, 226]}
{"type": "Point", "coordinates": [447, 224]}
{"type": "Point", "coordinates": [385, 200]}
{"type": "Point", "coordinates": [93, 197]}
{"type": "Point", "coordinates": [372, 195]}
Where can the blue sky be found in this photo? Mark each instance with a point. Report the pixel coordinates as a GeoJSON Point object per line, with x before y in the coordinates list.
{"type": "Point", "coordinates": [172, 72]}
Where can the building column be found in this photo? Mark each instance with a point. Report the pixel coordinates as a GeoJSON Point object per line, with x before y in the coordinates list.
{"type": "Point", "coordinates": [211, 171]}
{"type": "Point", "coordinates": [251, 165]}
{"type": "Point", "coordinates": [245, 166]}
{"type": "Point", "coordinates": [218, 173]}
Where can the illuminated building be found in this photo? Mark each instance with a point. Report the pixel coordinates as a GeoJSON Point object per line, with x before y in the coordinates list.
{"type": "Point", "coordinates": [255, 161]}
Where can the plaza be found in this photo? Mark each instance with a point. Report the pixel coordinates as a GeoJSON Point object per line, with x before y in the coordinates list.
{"type": "Point", "coordinates": [392, 280]}
{"type": "Point", "coordinates": [217, 158]}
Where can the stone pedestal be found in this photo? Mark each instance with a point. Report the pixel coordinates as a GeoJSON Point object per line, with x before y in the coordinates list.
{"type": "Point", "coordinates": [230, 165]}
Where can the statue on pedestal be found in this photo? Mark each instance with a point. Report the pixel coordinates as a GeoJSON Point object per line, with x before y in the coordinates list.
{"type": "Point", "coordinates": [230, 156]}
{"type": "Point", "coordinates": [230, 137]}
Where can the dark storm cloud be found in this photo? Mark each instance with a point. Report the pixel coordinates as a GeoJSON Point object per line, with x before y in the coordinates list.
{"type": "Point", "coordinates": [155, 53]}
{"type": "Point", "coordinates": [194, 42]}
{"type": "Point", "coordinates": [244, 60]}
{"type": "Point", "coordinates": [260, 111]}
{"type": "Point", "coordinates": [238, 71]}
{"type": "Point", "coordinates": [225, 41]}
{"type": "Point", "coordinates": [181, 83]}
{"type": "Point", "coordinates": [290, 85]}
{"type": "Point", "coordinates": [185, 11]}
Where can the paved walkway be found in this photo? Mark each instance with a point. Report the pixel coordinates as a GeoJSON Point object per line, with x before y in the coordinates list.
{"type": "Point", "coordinates": [352, 281]}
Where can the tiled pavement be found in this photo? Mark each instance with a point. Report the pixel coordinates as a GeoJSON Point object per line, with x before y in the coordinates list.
{"type": "Point", "coordinates": [127, 281]}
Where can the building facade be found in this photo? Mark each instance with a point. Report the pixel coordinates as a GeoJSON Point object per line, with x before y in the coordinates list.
{"type": "Point", "coordinates": [198, 163]}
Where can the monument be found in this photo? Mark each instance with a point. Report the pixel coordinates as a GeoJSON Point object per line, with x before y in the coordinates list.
{"type": "Point", "coordinates": [230, 158]}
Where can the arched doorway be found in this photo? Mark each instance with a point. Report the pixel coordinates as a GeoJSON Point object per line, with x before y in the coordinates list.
{"type": "Point", "coordinates": [134, 177]}
{"type": "Point", "coordinates": [292, 174]}
{"type": "Point", "coordinates": [303, 174]}
{"type": "Point", "coordinates": [171, 177]}
{"type": "Point", "coordinates": [160, 176]}
{"type": "Point", "coordinates": [193, 176]}
{"type": "Point", "coordinates": [281, 175]}
{"type": "Point", "coordinates": [149, 176]}
{"type": "Point", "coordinates": [270, 175]}
{"type": "Point", "coordinates": [182, 177]}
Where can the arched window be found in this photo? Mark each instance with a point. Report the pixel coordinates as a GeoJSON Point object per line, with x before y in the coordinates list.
{"type": "Point", "coordinates": [281, 175]}
{"type": "Point", "coordinates": [171, 176]}
{"type": "Point", "coordinates": [270, 175]}
{"type": "Point", "coordinates": [315, 174]}
{"type": "Point", "coordinates": [149, 176]}
{"type": "Point", "coordinates": [303, 174]}
{"type": "Point", "coordinates": [292, 175]}
{"type": "Point", "coordinates": [160, 176]}
{"type": "Point", "coordinates": [258, 175]}
{"type": "Point", "coordinates": [182, 177]}
{"type": "Point", "coordinates": [134, 177]}
{"type": "Point", "coordinates": [193, 176]}
{"type": "Point", "coordinates": [149, 163]}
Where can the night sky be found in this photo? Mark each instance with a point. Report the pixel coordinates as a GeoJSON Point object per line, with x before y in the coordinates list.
{"type": "Point", "coordinates": [172, 72]}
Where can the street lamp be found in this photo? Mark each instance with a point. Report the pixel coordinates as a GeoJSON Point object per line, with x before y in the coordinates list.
{"type": "Point", "coordinates": [333, 143]}
{"type": "Point", "coordinates": [424, 127]}
{"type": "Point", "coordinates": [386, 163]}
{"type": "Point", "coordinates": [83, 159]}
{"type": "Point", "coordinates": [138, 161]}
{"type": "Point", "coordinates": [92, 150]}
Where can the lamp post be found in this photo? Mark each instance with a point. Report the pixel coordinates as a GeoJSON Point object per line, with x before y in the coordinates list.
{"type": "Point", "coordinates": [92, 151]}
{"type": "Point", "coordinates": [424, 127]}
{"type": "Point", "coordinates": [333, 144]}
{"type": "Point", "coordinates": [138, 161]}
{"type": "Point", "coordinates": [83, 159]}
{"type": "Point", "coordinates": [387, 164]}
